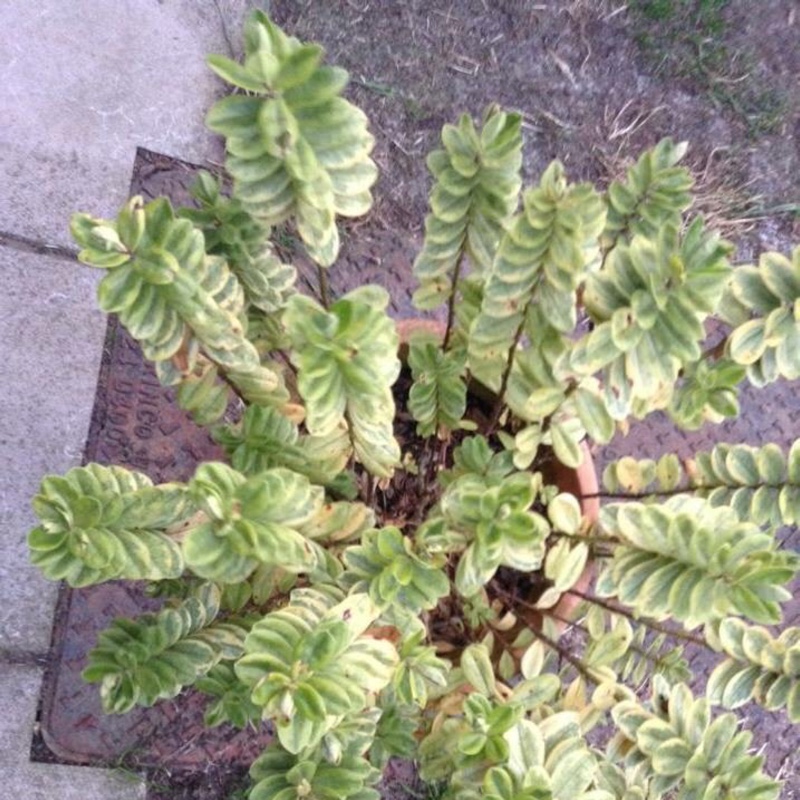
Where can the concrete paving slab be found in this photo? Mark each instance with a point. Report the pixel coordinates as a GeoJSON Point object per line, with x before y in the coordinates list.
{"type": "Point", "coordinates": [51, 333]}
{"type": "Point", "coordinates": [83, 84]}
{"type": "Point", "coordinates": [19, 689]}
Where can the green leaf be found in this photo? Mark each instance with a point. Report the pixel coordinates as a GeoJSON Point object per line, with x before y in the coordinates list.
{"type": "Point", "coordinates": [743, 466]}
{"type": "Point", "coordinates": [669, 472]}
{"type": "Point", "coordinates": [671, 757]}
{"type": "Point", "coordinates": [299, 67]}
{"type": "Point", "coordinates": [235, 74]}
{"type": "Point", "coordinates": [572, 772]}
{"type": "Point", "coordinates": [309, 703]}
{"type": "Point", "coordinates": [536, 691]}
{"type": "Point", "coordinates": [594, 415]}
{"type": "Point", "coordinates": [567, 450]}
{"type": "Point", "coordinates": [544, 401]}
{"type": "Point", "coordinates": [478, 669]}
{"type": "Point", "coordinates": [747, 343]}
{"type": "Point", "coordinates": [564, 512]}
{"type": "Point", "coordinates": [717, 738]}
{"type": "Point", "coordinates": [611, 646]}
{"type": "Point", "coordinates": [564, 564]}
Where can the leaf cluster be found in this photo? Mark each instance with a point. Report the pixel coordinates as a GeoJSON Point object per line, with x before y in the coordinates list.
{"type": "Point", "coordinates": [153, 658]}
{"type": "Point", "coordinates": [684, 748]}
{"type": "Point", "coordinates": [107, 523]}
{"type": "Point", "coordinates": [695, 563]}
{"type": "Point", "coordinates": [296, 147]}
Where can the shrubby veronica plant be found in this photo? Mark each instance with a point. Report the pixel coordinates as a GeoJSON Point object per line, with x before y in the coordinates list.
{"type": "Point", "coordinates": [380, 574]}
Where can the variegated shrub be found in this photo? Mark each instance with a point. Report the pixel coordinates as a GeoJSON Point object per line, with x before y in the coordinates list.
{"type": "Point", "coordinates": [380, 582]}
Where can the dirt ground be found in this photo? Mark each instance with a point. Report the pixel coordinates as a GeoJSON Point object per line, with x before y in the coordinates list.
{"type": "Point", "coordinates": [597, 81]}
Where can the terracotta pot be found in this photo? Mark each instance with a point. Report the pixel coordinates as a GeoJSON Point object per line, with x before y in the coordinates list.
{"type": "Point", "coordinates": [581, 482]}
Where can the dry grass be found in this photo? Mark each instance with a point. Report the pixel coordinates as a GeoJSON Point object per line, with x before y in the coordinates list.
{"type": "Point", "coordinates": [723, 197]}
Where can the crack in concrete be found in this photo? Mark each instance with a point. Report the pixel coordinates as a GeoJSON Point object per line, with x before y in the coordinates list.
{"type": "Point", "coordinates": [225, 31]}
{"type": "Point", "coordinates": [28, 245]}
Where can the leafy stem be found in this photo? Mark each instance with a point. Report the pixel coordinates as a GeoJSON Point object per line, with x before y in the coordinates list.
{"type": "Point", "coordinates": [644, 495]}
{"type": "Point", "coordinates": [655, 659]}
{"type": "Point", "coordinates": [562, 652]}
{"type": "Point", "coordinates": [706, 487]}
{"type": "Point", "coordinates": [648, 623]}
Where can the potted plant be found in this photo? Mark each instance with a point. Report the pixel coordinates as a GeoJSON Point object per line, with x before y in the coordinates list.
{"type": "Point", "coordinates": [389, 563]}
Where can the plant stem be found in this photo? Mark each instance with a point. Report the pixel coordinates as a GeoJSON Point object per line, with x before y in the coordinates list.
{"type": "Point", "coordinates": [451, 303]}
{"type": "Point", "coordinates": [716, 351]}
{"type": "Point", "coordinates": [590, 539]}
{"type": "Point", "coordinates": [706, 487]}
{"type": "Point", "coordinates": [581, 668]}
{"type": "Point", "coordinates": [648, 623]}
{"type": "Point", "coordinates": [231, 385]}
{"type": "Point", "coordinates": [552, 643]}
{"type": "Point", "coordinates": [324, 290]}
{"type": "Point", "coordinates": [644, 495]}
{"type": "Point", "coordinates": [596, 551]}
{"type": "Point", "coordinates": [498, 403]}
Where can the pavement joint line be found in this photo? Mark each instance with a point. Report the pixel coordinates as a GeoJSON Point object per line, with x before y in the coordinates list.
{"type": "Point", "coordinates": [29, 245]}
{"type": "Point", "coordinates": [23, 658]}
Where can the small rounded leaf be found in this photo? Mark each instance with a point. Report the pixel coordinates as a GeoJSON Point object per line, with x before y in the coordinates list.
{"type": "Point", "coordinates": [564, 512]}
